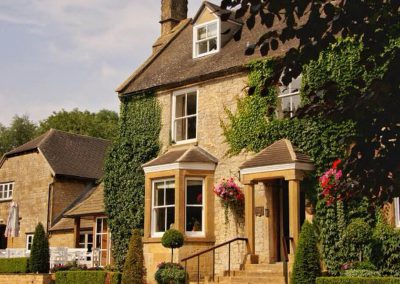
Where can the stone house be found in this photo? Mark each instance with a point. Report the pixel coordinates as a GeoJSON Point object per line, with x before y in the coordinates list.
{"type": "Point", "coordinates": [46, 177]}
{"type": "Point", "coordinates": [196, 70]}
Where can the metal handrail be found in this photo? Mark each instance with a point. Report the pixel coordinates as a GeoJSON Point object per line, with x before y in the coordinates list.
{"type": "Point", "coordinates": [286, 257]}
{"type": "Point", "coordinates": [213, 248]}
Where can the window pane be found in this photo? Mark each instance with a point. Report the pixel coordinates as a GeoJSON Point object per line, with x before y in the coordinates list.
{"type": "Point", "coordinates": [170, 217]}
{"type": "Point", "coordinates": [212, 30]}
{"type": "Point", "coordinates": [180, 106]}
{"type": "Point", "coordinates": [194, 192]}
{"type": "Point", "coordinates": [194, 219]}
{"type": "Point", "coordinates": [82, 238]}
{"type": "Point", "coordinates": [98, 241]}
{"type": "Point", "coordinates": [201, 33]}
{"type": "Point", "coordinates": [212, 44]}
{"type": "Point", "coordinates": [285, 106]}
{"type": "Point", "coordinates": [159, 193]}
{"type": "Point", "coordinates": [104, 225]}
{"type": "Point", "coordinates": [98, 225]}
{"type": "Point", "coordinates": [295, 84]}
{"type": "Point", "coordinates": [89, 247]}
{"type": "Point", "coordinates": [295, 103]}
{"type": "Point", "coordinates": [191, 103]}
{"type": "Point", "coordinates": [191, 128]}
{"type": "Point", "coordinates": [1, 194]}
{"type": "Point", "coordinates": [90, 238]}
{"type": "Point", "coordinates": [160, 219]}
{"type": "Point", "coordinates": [202, 47]}
{"type": "Point", "coordinates": [180, 129]}
{"type": "Point", "coordinates": [170, 196]}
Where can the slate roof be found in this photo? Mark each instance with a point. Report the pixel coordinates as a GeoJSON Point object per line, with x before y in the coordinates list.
{"type": "Point", "coordinates": [193, 154]}
{"type": "Point", "coordinates": [172, 64]}
{"type": "Point", "coordinates": [68, 224]}
{"type": "Point", "coordinates": [68, 154]}
{"type": "Point", "coordinates": [91, 203]}
{"type": "Point", "coordinates": [280, 152]}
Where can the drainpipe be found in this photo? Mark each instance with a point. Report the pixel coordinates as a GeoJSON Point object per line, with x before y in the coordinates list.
{"type": "Point", "coordinates": [49, 200]}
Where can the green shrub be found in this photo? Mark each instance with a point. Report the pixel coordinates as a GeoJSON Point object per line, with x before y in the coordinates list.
{"type": "Point", "coordinates": [386, 248]}
{"type": "Point", "coordinates": [306, 266]}
{"type": "Point", "coordinates": [361, 273]}
{"type": "Point", "coordinates": [366, 265]}
{"type": "Point", "coordinates": [170, 272]}
{"type": "Point", "coordinates": [14, 265]}
{"type": "Point", "coordinates": [359, 234]}
{"type": "Point", "coordinates": [134, 269]}
{"type": "Point", "coordinates": [358, 280]}
{"type": "Point", "coordinates": [172, 239]}
{"type": "Point", "coordinates": [81, 277]}
{"type": "Point", "coordinates": [40, 255]}
{"type": "Point", "coordinates": [116, 277]}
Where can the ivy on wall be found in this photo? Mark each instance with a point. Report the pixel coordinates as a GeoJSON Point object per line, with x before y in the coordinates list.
{"type": "Point", "coordinates": [137, 143]}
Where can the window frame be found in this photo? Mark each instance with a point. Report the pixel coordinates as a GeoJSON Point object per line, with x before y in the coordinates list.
{"type": "Point", "coordinates": [3, 190]}
{"type": "Point", "coordinates": [86, 242]}
{"type": "Point", "coordinates": [186, 117]}
{"type": "Point", "coordinates": [155, 234]}
{"type": "Point", "coordinates": [95, 244]}
{"type": "Point", "coordinates": [396, 203]}
{"type": "Point", "coordinates": [290, 95]}
{"type": "Point", "coordinates": [195, 40]}
{"type": "Point", "coordinates": [28, 241]}
{"type": "Point", "coordinates": [202, 232]}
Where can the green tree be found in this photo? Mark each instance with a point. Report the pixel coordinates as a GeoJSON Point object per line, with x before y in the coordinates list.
{"type": "Point", "coordinates": [103, 124]}
{"type": "Point", "coordinates": [20, 131]}
{"type": "Point", "coordinates": [39, 261]}
{"type": "Point", "coordinates": [134, 271]}
{"type": "Point", "coordinates": [306, 266]}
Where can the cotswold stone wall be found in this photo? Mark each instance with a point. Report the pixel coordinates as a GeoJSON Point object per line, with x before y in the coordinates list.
{"type": "Point", "coordinates": [32, 177]}
{"type": "Point", "coordinates": [26, 279]}
{"type": "Point", "coordinates": [213, 97]}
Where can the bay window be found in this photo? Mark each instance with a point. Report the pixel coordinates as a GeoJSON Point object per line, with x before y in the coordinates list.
{"type": "Point", "coordinates": [194, 206]}
{"type": "Point", "coordinates": [163, 211]}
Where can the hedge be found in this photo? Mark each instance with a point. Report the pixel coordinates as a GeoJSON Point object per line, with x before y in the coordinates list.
{"type": "Point", "coordinates": [86, 277]}
{"type": "Point", "coordinates": [14, 265]}
{"type": "Point", "coordinates": [358, 280]}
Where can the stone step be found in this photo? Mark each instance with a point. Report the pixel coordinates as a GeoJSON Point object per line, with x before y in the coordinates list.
{"type": "Point", "coordinates": [251, 279]}
{"type": "Point", "coordinates": [276, 267]}
{"type": "Point", "coordinates": [254, 273]}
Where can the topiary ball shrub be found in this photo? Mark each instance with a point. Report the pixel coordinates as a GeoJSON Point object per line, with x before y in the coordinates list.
{"type": "Point", "coordinates": [172, 239]}
{"type": "Point", "coordinates": [39, 261]}
{"type": "Point", "coordinates": [170, 273]}
{"type": "Point", "coordinates": [306, 266]}
{"type": "Point", "coordinates": [359, 234]}
{"type": "Point", "coordinates": [134, 271]}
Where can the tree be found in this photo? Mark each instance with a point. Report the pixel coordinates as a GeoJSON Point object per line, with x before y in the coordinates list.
{"type": "Point", "coordinates": [39, 261]}
{"type": "Point", "coordinates": [306, 267]}
{"type": "Point", "coordinates": [20, 131]}
{"type": "Point", "coordinates": [134, 271]}
{"type": "Point", "coordinates": [371, 166]}
{"type": "Point", "coordinates": [172, 239]}
{"type": "Point", "coordinates": [103, 124]}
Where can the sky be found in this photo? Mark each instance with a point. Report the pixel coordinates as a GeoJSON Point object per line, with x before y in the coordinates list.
{"type": "Point", "coordinates": [65, 54]}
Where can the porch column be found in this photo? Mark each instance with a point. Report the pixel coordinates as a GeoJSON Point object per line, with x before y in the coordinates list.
{"type": "Point", "coordinates": [294, 212]}
{"type": "Point", "coordinates": [249, 216]}
{"type": "Point", "coordinates": [77, 228]}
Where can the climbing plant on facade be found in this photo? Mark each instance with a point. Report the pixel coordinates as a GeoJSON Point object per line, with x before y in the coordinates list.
{"type": "Point", "coordinates": [137, 143]}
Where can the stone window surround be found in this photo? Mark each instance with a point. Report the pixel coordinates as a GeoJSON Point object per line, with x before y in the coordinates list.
{"type": "Point", "coordinates": [5, 187]}
{"type": "Point", "coordinates": [180, 175]}
{"type": "Point", "coordinates": [29, 241]}
{"type": "Point", "coordinates": [173, 111]}
{"type": "Point", "coordinates": [195, 40]}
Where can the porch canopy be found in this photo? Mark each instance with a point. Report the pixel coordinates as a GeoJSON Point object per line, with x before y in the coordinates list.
{"type": "Point", "coordinates": [281, 160]}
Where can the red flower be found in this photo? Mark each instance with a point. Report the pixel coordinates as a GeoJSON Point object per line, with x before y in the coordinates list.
{"type": "Point", "coordinates": [336, 163]}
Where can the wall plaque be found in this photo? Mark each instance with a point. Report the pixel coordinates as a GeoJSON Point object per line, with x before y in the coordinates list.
{"type": "Point", "coordinates": [259, 211]}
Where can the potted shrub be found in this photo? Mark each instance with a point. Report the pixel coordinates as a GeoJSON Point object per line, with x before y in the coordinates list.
{"type": "Point", "coordinates": [170, 273]}
{"type": "Point", "coordinates": [172, 239]}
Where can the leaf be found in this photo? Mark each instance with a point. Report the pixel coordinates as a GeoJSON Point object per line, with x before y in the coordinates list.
{"type": "Point", "coordinates": [250, 22]}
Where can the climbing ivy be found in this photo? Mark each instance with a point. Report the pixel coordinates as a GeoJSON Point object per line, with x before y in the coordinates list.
{"type": "Point", "coordinates": [137, 143]}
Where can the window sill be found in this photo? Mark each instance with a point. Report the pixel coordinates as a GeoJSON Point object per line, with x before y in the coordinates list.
{"type": "Point", "coordinates": [6, 200]}
{"type": "Point", "coordinates": [184, 143]}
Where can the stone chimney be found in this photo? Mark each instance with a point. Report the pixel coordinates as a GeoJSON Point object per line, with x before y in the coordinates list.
{"type": "Point", "coordinates": [172, 12]}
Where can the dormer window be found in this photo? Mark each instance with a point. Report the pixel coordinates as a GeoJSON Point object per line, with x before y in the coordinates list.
{"type": "Point", "coordinates": [206, 39]}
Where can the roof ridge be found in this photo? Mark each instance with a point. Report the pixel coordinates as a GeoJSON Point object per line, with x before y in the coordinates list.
{"type": "Point", "coordinates": [53, 130]}
{"type": "Point", "coordinates": [152, 57]}
{"type": "Point", "coordinates": [290, 148]}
